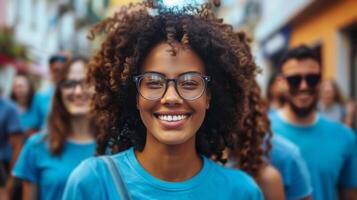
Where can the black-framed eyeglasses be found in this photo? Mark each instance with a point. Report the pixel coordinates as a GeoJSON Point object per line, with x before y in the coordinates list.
{"type": "Point", "coordinates": [189, 86]}
{"type": "Point", "coordinates": [72, 84]}
{"type": "Point", "coordinates": [311, 79]}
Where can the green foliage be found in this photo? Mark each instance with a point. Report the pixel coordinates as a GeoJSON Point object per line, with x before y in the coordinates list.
{"type": "Point", "coordinates": [9, 46]}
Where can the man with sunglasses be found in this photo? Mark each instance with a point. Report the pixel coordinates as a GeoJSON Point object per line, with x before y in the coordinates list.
{"type": "Point", "coordinates": [328, 148]}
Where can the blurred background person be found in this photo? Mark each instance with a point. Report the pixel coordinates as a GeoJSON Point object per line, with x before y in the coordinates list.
{"type": "Point", "coordinates": [48, 158]}
{"type": "Point", "coordinates": [328, 147]}
{"type": "Point", "coordinates": [11, 139]}
{"type": "Point", "coordinates": [23, 94]}
{"type": "Point", "coordinates": [43, 98]}
{"type": "Point", "coordinates": [275, 93]}
{"type": "Point", "coordinates": [332, 104]}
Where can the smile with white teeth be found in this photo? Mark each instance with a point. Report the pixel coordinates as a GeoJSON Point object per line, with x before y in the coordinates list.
{"type": "Point", "coordinates": [172, 118]}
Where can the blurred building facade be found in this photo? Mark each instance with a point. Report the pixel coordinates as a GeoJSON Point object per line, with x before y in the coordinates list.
{"type": "Point", "coordinates": [46, 27]}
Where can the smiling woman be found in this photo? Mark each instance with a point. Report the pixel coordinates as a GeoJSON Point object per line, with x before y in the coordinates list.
{"type": "Point", "coordinates": [48, 158]}
{"type": "Point", "coordinates": [171, 92]}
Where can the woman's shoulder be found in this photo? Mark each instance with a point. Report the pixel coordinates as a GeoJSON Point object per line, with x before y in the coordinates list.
{"type": "Point", "coordinates": [233, 176]}
{"type": "Point", "coordinates": [236, 182]}
{"type": "Point", "coordinates": [36, 138]}
{"type": "Point", "coordinates": [82, 179]}
{"type": "Point", "coordinates": [94, 168]}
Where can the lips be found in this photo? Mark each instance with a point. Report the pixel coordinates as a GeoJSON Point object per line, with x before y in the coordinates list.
{"type": "Point", "coordinates": [172, 120]}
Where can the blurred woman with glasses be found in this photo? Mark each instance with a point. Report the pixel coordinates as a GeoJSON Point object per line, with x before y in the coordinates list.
{"type": "Point", "coordinates": [171, 92]}
{"type": "Point", "coordinates": [48, 158]}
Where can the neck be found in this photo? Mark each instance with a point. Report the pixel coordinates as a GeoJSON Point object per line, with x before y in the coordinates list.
{"type": "Point", "coordinates": [327, 103]}
{"type": "Point", "coordinates": [275, 104]}
{"type": "Point", "coordinates": [289, 115]}
{"type": "Point", "coordinates": [170, 162]}
{"type": "Point", "coordinates": [81, 128]}
{"type": "Point", "coordinates": [22, 103]}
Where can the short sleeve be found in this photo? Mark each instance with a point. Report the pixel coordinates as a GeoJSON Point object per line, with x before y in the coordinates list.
{"type": "Point", "coordinates": [348, 176]}
{"type": "Point", "coordinates": [13, 124]}
{"type": "Point", "coordinates": [80, 183]}
{"type": "Point", "coordinates": [26, 167]}
{"type": "Point", "coordinates": [300, 182]}
{"type": "Point", "coordinates": [257, 195]}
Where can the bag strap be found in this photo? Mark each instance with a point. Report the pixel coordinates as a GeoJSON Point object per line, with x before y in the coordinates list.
{"type": "Point", "coordinates": [117, 178]}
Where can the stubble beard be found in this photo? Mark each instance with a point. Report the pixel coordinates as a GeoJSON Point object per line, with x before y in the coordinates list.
{"type": "Point", "coordinates": [303, 112]}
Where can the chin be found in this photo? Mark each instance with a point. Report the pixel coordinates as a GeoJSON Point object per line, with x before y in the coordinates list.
{"type": "Point", "coordinates": [172, 138]}
{"type": "Point", "coordinates": [79, 112]}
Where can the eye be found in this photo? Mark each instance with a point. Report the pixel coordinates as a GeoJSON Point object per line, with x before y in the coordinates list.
{"type": "Point", "coordinates": [69, 84]}
{"type": "Point", "coordinates": [153, 82]}
{"type": "Point", "coordinates": [189, 84]}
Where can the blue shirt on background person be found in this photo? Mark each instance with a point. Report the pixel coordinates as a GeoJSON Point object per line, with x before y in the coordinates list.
{"type": "Point", "coordinates": [286, 158]}
{"type": "Point", "coordinates": [329, 150]}
{"type": "Point", "coordinates": [29, 119]}
{"type": "Point", "coordinates": [212, 182]}
{"type": "Point", "coordinates": [42, 104]}
{"type": "Point", "coordinates": [50, 172]}
{"type": "Point", "coordinates": [9, 124]}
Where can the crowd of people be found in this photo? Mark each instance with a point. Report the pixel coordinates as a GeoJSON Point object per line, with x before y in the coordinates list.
{"type": "Point", "coordinates": [169, 108]}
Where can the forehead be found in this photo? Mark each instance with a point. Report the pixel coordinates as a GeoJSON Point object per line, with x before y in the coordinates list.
{"type": "Point", "coordinates": [303, 66]}
{"type": "Point", "coordinates": [20, 79]}
{"type": "Point", "coordinates": [76, 70]}
{"type": "Point", "coordinates": [160, 59]}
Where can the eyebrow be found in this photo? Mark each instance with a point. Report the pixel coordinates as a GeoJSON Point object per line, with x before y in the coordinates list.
{"type": "Point", "coordinates": [196, 72]}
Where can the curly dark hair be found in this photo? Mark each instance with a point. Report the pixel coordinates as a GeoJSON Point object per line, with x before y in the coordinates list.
{"type": "Point", "coordinates": [261, 135]}
{"type": "Point", "coordinates": [130, 35]}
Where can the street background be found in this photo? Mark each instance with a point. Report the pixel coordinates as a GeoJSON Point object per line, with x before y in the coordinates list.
{"type": "Point", "coordinates": [33, 30]}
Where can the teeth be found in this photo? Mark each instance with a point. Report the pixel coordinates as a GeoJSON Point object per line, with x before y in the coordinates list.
{"type": "Point", "coordinates": [171, 118]}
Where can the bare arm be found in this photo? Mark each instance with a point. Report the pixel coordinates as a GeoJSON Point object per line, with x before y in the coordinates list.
{"type": "Point", "coordinates": [16, 142]}
{"type": "Point", "coordinates": [29, 190]}
{"type": "Point", "coordinates": [271, 184]}
{"type": "Point", "coordinates": [3, 194]}
{"type": "Point", "coordinates": [350, 113]}
{"type": "Point", "coordinates": [307, 198]}
{"type": "Point", "coordinates": [348, 194]}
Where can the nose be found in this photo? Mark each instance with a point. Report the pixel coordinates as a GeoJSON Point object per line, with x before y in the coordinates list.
{"type": "Point", "coordinates": [171, 97]}
{"type": "Point", "coordinates": [303, 84]}
{"type": "Point", "coordinates": [78, 89]}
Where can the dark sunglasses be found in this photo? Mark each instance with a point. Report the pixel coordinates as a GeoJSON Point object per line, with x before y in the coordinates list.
{"type": "Point", "coordinates": [58, 58]}
{"type": "Point", "coordinates": [311, 79]}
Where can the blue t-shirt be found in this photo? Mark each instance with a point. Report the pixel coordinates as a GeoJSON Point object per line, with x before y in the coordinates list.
{"type": "Point", "coordinates": [329, 150]}
{"type": "Point", "coordinates": [30, 119]}
{"type": "Point", "coordinates": [286, 158]}
{"type": "Point", "coordinates": [9, 124]}
{"type": "Point", "coordinates": [37, 165]}
{"type": "Point", "coordinates": [212, 182]}
{"type": "Point", "coordinates": [42, 104]}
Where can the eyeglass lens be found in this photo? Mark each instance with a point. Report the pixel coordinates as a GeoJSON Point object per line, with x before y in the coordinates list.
{"type": "Point", "coordinates": [71, 84]}
{"type": "Point", "coordinates": [189, 86]}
